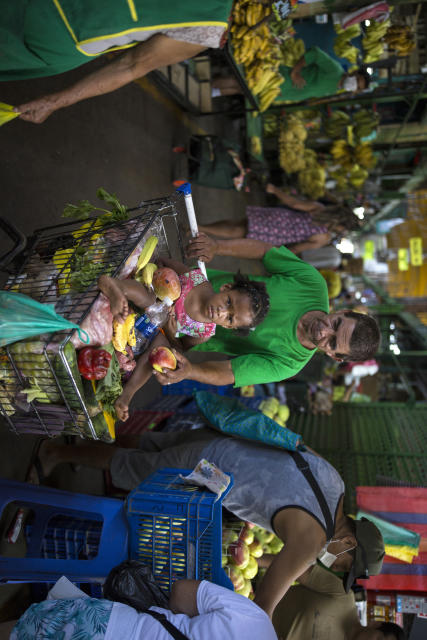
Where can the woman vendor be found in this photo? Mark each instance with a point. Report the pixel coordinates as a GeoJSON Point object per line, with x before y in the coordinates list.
{"type": "Point", "coordinates": [46, 37]}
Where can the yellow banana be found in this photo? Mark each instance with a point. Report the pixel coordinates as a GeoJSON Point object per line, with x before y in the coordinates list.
{"type": "Point", "coordinates": [146, 252]}
{"type": "Point", "coordinates": [146, 275]}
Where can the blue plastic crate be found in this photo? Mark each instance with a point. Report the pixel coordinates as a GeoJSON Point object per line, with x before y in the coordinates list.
{"type": "Point", "coordinates": [176, 528]}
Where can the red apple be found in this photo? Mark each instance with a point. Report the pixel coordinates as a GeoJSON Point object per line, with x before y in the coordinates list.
{"type": "Point", "coordinates": [162, 358]}
{"type": "Point", "coordinates": [236, 577]}
{"type": "Point", "coordinates": [246, 535]}
{"type": "Point", "coordinates": [239, 554]}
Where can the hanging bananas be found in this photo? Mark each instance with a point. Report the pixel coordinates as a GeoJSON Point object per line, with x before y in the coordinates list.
{"type": "Point", "coordinates": [342, 46]}
{"type": "Point", "coordinates": [256, 50]}
{"type": "Point", "coordinates": [401, 39]}
{"type": "Point", "coordinates": [372, 44]}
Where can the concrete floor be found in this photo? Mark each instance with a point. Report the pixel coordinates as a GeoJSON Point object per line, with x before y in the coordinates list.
{"type": "Point", "coordinates": [121, 141]}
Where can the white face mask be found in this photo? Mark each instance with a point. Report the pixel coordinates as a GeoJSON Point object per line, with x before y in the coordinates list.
{"type": "Point", "coordinates": [350, 83]}
{"type": "Point", "coordinates": [327, 558]}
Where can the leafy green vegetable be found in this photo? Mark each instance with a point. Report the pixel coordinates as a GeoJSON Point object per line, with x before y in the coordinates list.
{"type": "Point", "coordinates": [84, 208]}
{"type": "Point", "coordinates": [110, 388]}
{"type": "Point", "coordinates": [80, 211]}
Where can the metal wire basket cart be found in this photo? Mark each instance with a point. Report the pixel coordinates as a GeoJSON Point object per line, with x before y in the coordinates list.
{"type": "Point", "coordinates": [45, 270]}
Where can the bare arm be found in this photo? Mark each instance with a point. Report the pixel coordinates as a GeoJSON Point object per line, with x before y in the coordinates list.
{"type": "Point", "coordinates": [183, 597]}
{"type": "Point", "coordinates": [309, 206]}
{"type": "Point", "coordinates": [296, 77]}
{"type": "Point", "coordinates": [205, 248]}
{"type": "Point", "coordinates": [119, 292]}
{"type": "Point", "coordinates": [303, 538]}
{"type": "Point", "coordinates": [314, 242]}
{"type": "Point", "coordinates": [211, 372]}
{"type": "Point", "coordinates": [157, 51]}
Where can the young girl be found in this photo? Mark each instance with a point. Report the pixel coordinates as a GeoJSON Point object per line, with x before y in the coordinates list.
{"type": "Point", "coordinates": [240, 305]}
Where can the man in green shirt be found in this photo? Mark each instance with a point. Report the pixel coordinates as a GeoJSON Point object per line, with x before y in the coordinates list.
{"type": "Point", "coordinates": [318, 607]}
{"type": "Point", "coordinates": [297, 324]}
{"type": "Point", "coordinates": [315, 75]}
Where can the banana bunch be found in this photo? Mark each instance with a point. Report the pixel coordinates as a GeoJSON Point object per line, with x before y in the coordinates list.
{"type": "Point", "coordinates": [342, 153]}
{"type": "Point", "coordinates": [311, 181]}
{"type": "Point", "coordinates": [291, 144]}
{"type": "Point", "coordinates": [342, 46]}
{"type": "Point", "coordinates": [340, 176]}
{"type": "Point", "coordinates": [357, 176]}
{"type": "Point", "coordinates": [249, 43]}
{"type": "Point", "coordinates": [270, 125]}
{"type": "Point", "coordinates": [335, 126]}
{"type": "Point", "coordinates": [257, 50]}
{"type": "Point", "coordinates": [401, 39]}
{"type": "Point", "coordinates": [347, 155]}
{"type": "Point", "coordinates": [292, 50]}
{"type": "Point", "coordinates": [365, 122]}
{"type": "Point", "coordinates": [256, 146]}
{"type": "Point", "coordinates": [343, 49]}
{"type": "Point", "coordinates": [371, 42]}
{"type": "Point", "coordinates": [146, 275]}
{"type": "Point", "coordinates": [351, 32]}
{"type": "Point", "coordinates": [364, 155]}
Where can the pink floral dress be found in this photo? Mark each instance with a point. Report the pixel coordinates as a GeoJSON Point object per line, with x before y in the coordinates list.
{"type": "Point", "coordinates": [281, 225]}
{"type": "Point", "coordinates": [185, 324]}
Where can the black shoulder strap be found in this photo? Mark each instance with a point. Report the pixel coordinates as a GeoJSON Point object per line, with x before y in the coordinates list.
{"type": "Point", "coordinates": [175, 633]}
{"type": "Point", "coordinates": [304, 467]}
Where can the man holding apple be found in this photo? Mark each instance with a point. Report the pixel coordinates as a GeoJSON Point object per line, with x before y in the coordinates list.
{"type": "Point", "coordinates": [298, 322]}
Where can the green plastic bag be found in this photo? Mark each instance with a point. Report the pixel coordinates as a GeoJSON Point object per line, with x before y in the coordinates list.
{"type": "Point", "coordinates": [22, 317]}
{"type": "Point", "coordinates": [7, 113]}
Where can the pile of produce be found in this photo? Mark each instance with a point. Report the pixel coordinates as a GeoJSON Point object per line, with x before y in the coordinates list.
{"type": "Point", "coordinates": [292, 50]}
{"type": "Point", "coordinates": [242, 544]}
{"type": "Point", "coordinates": [372, 44]}
{"type": "Point", "coordinates": [312, 179]}
{"type": "Point", "coordinates": [342, 46]}
{"type": "Point", "coordinates": [294, 157]}
{"type": "Point", "coordinates": [257, 50]}
{"type": "Point", "coordinates": [272, 408]}
{"type": "Point", "coordinates": [345, 179]}
{"type": "Point", "coordinates": [401, 39]}
{"type": "Point", "coordinates": [292, 137]}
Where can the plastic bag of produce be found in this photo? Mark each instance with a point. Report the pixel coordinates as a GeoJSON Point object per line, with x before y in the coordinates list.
{"type": "Point", "coordinates": [132, 583]}
{"type": "Point", "coordinates": [229, 416]}
{"type": "Point", "coordinates": [7, 113]}
{"type": "Point", "coordinates": [22, 317]}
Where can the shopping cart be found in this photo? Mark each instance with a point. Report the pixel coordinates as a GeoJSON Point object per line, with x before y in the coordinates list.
{"type": "Point", "coordinates": [41, 390]}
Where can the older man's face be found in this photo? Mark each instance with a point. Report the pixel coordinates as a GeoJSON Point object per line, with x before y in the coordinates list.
{"type": "Point", "coordinates": [331, 333]}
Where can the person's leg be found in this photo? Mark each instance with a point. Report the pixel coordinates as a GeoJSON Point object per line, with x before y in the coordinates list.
{"type": "Point", "coordinates": [225, 229]}
{"type": "Point", "coordinates": [100, 455]}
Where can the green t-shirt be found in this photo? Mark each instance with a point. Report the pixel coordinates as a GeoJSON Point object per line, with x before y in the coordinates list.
{"type": "Point", "coordinates": [321, 73]}
{"type": "Point", "coordinates": [272, 352]}
{"type": "Point", "coordinates": [318, 610]}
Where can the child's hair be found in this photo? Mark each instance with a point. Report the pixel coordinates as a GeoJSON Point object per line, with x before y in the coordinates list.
{"type": "Point", "coordinates": [260, 300]}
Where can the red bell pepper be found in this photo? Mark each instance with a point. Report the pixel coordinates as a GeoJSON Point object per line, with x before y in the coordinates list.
{"type": "Point", "coordinates": [93, 363]}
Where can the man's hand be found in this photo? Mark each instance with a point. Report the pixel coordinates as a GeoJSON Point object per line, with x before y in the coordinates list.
{"type": "Point", "coordinates": [202, 247]}
{"type": "Point", "coordinates": [297, 79]}
{"type": "Point", "coordinates": [182, 371]}
{"type": "Point", "coordinates": [37, 111]}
